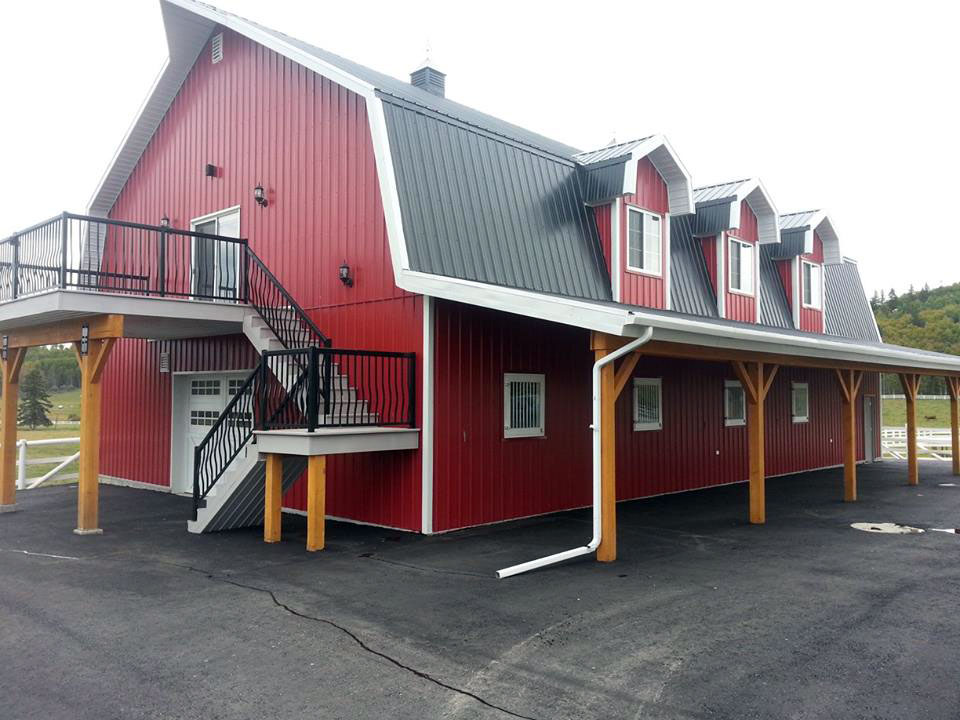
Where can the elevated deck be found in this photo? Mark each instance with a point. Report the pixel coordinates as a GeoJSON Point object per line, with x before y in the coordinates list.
{"type": "Point", "coordinates": [336, 440]}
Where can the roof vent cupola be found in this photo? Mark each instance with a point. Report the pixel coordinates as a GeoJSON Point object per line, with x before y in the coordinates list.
{"type": "Point", "coordinates": [429, 78]}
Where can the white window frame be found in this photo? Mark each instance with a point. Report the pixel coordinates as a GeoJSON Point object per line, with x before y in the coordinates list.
{"type": "Point", "coordinates": [512, 432]}
{"type": "Point", "coordinates": [644, 214]}
{"type": "Point", "coordinates": [648, 382]}
{"type": "Point", "coordinates": [817, 303]}
{"type": "Point", "coordinates": [794, 388]}
{"type": "Point", "coordinates": [731, 241]}
{"type": "Point", "coordinates": [729, 421]}
{"type": "Point", "coordinates": [196, 222]}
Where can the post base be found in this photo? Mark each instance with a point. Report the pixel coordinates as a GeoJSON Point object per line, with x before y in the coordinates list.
{"type": "Point", "coordinates": [94, 531]}
{"type": "Point", "coordinates": [8, 508]}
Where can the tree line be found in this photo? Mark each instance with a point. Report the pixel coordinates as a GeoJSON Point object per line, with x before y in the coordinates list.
{"type": "Point", "coordinates": [928, 319]}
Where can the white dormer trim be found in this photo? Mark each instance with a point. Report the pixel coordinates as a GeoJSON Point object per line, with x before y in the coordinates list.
{"type": "Point", "coordinates": [671, 169]}
{"type": "Point", "coordinates": [616, 268]}
{"type": "Point", "coordinates": [768, 219]}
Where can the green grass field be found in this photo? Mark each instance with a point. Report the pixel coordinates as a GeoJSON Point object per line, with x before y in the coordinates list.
{"type": "Point", "coordinates": [930, 413]}
{"type": "Point", "coordinates": [64, 404]}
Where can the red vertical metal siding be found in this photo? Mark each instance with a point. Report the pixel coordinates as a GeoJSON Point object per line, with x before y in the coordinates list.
{"type": "Point", "coordinates": [602, 215]}
{"type": "Point", "coordinates": [741, 307]}
{"type": "Point", "coordinates": [261, 118]}
{"type": "Point", "coordinates": [480, 477]}
{"type": "Point", "coordinates": [709, 245]}
{"type": "Point", "coordinates": [811, 320]}
{"type": "Point", "coordinates": [785, 268]}
{"type": "Point", "coordinates": [637, 288]}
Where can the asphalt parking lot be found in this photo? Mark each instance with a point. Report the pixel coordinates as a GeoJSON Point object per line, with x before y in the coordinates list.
{"type": "Point", "coordinates": [704, 616]}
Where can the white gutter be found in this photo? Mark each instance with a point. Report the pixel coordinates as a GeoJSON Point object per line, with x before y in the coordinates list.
{"type": "Point", "coordinates": [597, 510]}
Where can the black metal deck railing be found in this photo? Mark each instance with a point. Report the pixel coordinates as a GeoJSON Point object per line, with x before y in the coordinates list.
{"type": "Point", "coordinates": [307, 388]}
{"type": "Point", "coordinates": [81, 252]}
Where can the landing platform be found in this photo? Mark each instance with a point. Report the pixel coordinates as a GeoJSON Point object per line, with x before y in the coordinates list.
{"type": "Point", "coordinates": [336, 441]}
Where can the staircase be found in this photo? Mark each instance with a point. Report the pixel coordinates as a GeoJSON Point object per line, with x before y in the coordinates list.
{"type": "Point", "coordinates": [299, 382]}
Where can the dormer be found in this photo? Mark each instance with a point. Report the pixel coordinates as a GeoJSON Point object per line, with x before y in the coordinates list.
{"type": "Point", "coordinates": [808, 241]}
{"type": "Point", "coordinates": [634, 188]}
{"type": "Point", "coordinates": [732, 221]}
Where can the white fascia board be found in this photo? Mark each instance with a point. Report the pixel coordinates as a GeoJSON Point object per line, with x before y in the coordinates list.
{"type": "Point", "coordinates": [671, 169]}
{"type": "Point", "coordinates": [554, 308]}
{"type": "Point", "coordinates": [387, 178]}
{"type": "Point", "coordinates": [693, 332]}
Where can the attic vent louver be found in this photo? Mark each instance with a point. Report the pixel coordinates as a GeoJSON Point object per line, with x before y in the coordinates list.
{"type": "Point", "coordinates": [164, 362]}
{"type": "Point", "coordinates": [216, 48]}
{"type": "Point", "coordinates": [429, 79]}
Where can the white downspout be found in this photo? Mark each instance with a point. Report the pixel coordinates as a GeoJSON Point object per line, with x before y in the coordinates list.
{"type": "Point", "coordinates": [595, 428]}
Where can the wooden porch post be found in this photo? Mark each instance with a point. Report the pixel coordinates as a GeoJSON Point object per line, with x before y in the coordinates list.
{"type": "Point", "coordinates": [316, 501]}
{"type": "Point", "coordinates": [911, 386]}
{"type": "Point", "coordinates": [849, 387]}
{"type": "Point", "coordinates": [10, 367]}
{"type": "Point", "coordinates": [92, 365]}
{"type": "Point", "coordinates": [953, 387]}
{"type": "Point", "coordinates": [273, 498]}
{"type": "Point", "coordinates": [756, 378]}
{"type": "Point", "coordinates": [612, 383]}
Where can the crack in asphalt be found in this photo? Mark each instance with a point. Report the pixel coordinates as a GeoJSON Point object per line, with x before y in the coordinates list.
{"type": "Point", "coordinates": [438, 571]}
{"type": "Point", "coordinates": [366, 648]}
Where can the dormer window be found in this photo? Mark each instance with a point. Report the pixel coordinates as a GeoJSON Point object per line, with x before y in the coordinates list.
{"type": "Point", "coordinates": [812, 286]}
{"type": "Point", "coordinates": [741, 267]}
{"type": "Point", "coordinates": [644, 241]}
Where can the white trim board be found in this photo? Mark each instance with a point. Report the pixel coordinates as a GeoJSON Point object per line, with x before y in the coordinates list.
{"type": "Point", "coordinates": [426, 420]}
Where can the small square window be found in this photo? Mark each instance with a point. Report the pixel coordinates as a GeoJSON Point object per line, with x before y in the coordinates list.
{"type": "Point", "coordinates": [644, 241]}
{"type": "Point", "coordinates": [800, 402]}
{"type": "Point", "coordinates": [734, 404]}
{"type": "Point", "coordinates": [647, 404]}
{"type": "Point", "coordinates": [204, 387]}
{"type": "Point", "coordinates": [523, 405]}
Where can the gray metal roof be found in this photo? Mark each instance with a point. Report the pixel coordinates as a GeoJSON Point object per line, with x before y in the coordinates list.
{"type": "Point", "coordinates": [774, 309]}
{"type": "Point", "coordinates": [798, 219]}
{"type": "Point", "coordinates": [792, 242]}
{"type": "Point", "coordinates": [478, 207]}
{"type": "Point", "coordinates": [691, 291]}
{"type": "Point", "coordinates": [717, 193]}
{"type": "Point", "coordinates": [616, 150]}
{"type": "Point", "coordinates": [847, 311]}
{"type": "Point", "coordinates": [602, 181]}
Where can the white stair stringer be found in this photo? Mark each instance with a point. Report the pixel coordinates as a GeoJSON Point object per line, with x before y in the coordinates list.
{"type": "Point", "coordinates": [236, 499]}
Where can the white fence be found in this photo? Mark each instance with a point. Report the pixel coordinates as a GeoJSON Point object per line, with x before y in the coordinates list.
{"type": "Point", "coordinates": [919, 397]}
{"type": "Point", "coordinates": [23, 483]}
{"type": "Point", "coordinates": [934, 443]}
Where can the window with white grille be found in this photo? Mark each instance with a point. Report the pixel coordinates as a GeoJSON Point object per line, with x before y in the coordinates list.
{"type": "Point", "coordinates": [216, 48]}
{"type": "Point", "coordinates": [647, 404]}
{"type": "Point", "coordinates": [523, 404]}
{"type": "Point", "coordinates": [204, 418]}
{"type": "Point", "coordinates": [204, 387]}
{"type": "Point", "coordinates": [240, 414]}
{"type": "Point", "coordinates": [800, 401]}
{"type": "Point", "coordinates": [734, 404]}
{"type": "Point", "coordinates": [644, 241]}
{"type": "Point", "coordinates": [741, 267]}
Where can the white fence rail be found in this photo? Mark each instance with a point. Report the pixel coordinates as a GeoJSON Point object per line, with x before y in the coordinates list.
{"type": "Point", "coordinates": [23, 446]}
{"type": "Point", "coordinates": [919, 397]}
{"type": "Point", "coordinates": [934, 443]}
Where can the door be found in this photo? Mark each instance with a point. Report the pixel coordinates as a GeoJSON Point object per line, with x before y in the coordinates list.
{"type": "Point", "coordinates": [216, 263]}
{"type": "Point", "coordinates": [208, 398]}
{"type": "Point", "coordinates": [869, 428]}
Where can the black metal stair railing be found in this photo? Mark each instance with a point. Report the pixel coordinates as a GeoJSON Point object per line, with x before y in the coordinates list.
{"type": "Point", "coordinates": [292, 326]}
{"type": "Point", "coordinates": [82, 252]}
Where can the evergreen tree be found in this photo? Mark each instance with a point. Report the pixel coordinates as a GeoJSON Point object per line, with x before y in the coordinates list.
{"type": "Point", "coordinates": [34, 400]}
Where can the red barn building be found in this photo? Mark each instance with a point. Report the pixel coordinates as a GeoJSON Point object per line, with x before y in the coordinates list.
{"type": "Point", "coordinates": [293, 256]}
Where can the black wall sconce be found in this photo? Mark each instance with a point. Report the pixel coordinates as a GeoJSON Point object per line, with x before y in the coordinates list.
{"type": "Point", "coordinates": [210, 170]}
{"type": "Point", "coordinates": [260, 195]}
{"type": "Point", "coordinates": [164, 222]}
{"type": "Point", "coordinates": [345, 277]}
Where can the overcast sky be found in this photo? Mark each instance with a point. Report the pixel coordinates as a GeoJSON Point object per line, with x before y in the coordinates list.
{"type": "Point", "coordinates": [847, 107]}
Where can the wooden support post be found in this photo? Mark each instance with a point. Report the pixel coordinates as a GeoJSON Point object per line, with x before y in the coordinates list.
{"type": "Point", "coordinates": [756, 378]}
{"type": "Point", "coordinates": [953, 387]}
{"type": "Point", "coordinates": [849, 388]}
{"type": "Point", "coordinates": [10, 368]}
{"type": "Point", "coordinates": [273, 498]}
{"type": "Point", "coordinates": [88, 482]}
{"type": "Point", "coordinates": [316, 501]}
{"type": "Point", "coordinates": [911, 386]}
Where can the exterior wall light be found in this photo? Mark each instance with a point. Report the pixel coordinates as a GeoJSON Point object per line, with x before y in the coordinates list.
{"type": "Point", "coordinates": [260, 195]}
{"type": "Point", "coordinates": [164, 222]}
{"type": "Point", "coordinates": [345, 275]}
